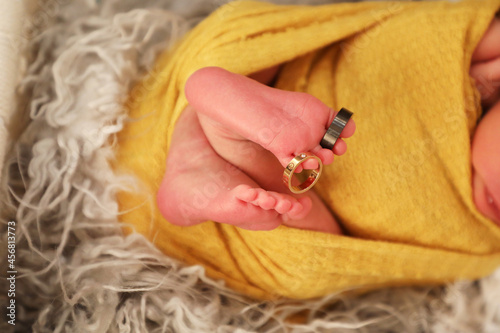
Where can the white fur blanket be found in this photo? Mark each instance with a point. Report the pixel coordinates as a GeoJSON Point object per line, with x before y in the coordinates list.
{"type": "Point", "coordinates": [76, 272]}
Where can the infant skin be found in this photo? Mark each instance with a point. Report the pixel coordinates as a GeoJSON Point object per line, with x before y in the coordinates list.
{"type": "Point", "coordinates": [485, 69]}
{"type": "Point", "coordinates": [241, 133]}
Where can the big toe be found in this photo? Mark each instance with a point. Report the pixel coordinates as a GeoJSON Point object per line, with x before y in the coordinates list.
{"type": "Point", "coordinates": [340, 147]}
{"type": "Point", "coordinates": [245, 193]}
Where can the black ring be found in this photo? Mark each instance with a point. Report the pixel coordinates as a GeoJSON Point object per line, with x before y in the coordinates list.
{"type": "Point", "coordinates": [336, 127]}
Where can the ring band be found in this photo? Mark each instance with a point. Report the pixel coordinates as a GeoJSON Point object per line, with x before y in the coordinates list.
{"type": "Point", "coordinates": [336, 127]}
{"type": "Point", "coordinates": [308, 177]}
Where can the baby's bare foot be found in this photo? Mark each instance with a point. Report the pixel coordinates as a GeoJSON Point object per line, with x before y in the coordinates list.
{"type": "Point", "coordinates": [260, 129]}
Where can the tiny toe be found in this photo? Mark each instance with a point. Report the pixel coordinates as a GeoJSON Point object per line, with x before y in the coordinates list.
{"type": "Point", "coordinates": [283, 204]}
{"type": "Point", "coordinates": [300, 168]}
{"type": "Point", "coordinates": [340, 147]}
{"type": "Point", "coordinates": [245, 193]}
{"type": "Point", "coordinates": [310, 164]}
{"type": "Point", "coordinates": [325, 155]}
{"type": "Point", "coordinates": [265, 200]}
{"type": "Point", "coordinates": [295, 210]}
{"type": "Point", "coordinates": [349, 129]}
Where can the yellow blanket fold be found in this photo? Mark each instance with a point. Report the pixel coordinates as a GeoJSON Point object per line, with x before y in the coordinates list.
{"type": "Point", "coordinates": [402, 192]}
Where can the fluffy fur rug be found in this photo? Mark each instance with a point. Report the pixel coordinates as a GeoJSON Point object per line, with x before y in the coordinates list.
{"type": "Point", "coordinates": [77, 272]}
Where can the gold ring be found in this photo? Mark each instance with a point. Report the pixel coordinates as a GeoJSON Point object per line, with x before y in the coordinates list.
{"type": "Point", "coordinates": [307, 177]}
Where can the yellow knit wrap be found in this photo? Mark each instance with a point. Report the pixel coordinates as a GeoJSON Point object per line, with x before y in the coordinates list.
{"type": "Point", "coordinates": [403, 190]}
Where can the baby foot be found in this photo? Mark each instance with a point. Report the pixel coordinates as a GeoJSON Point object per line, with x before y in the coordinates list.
{"type": "Point", "coordinates": [260, 129]}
